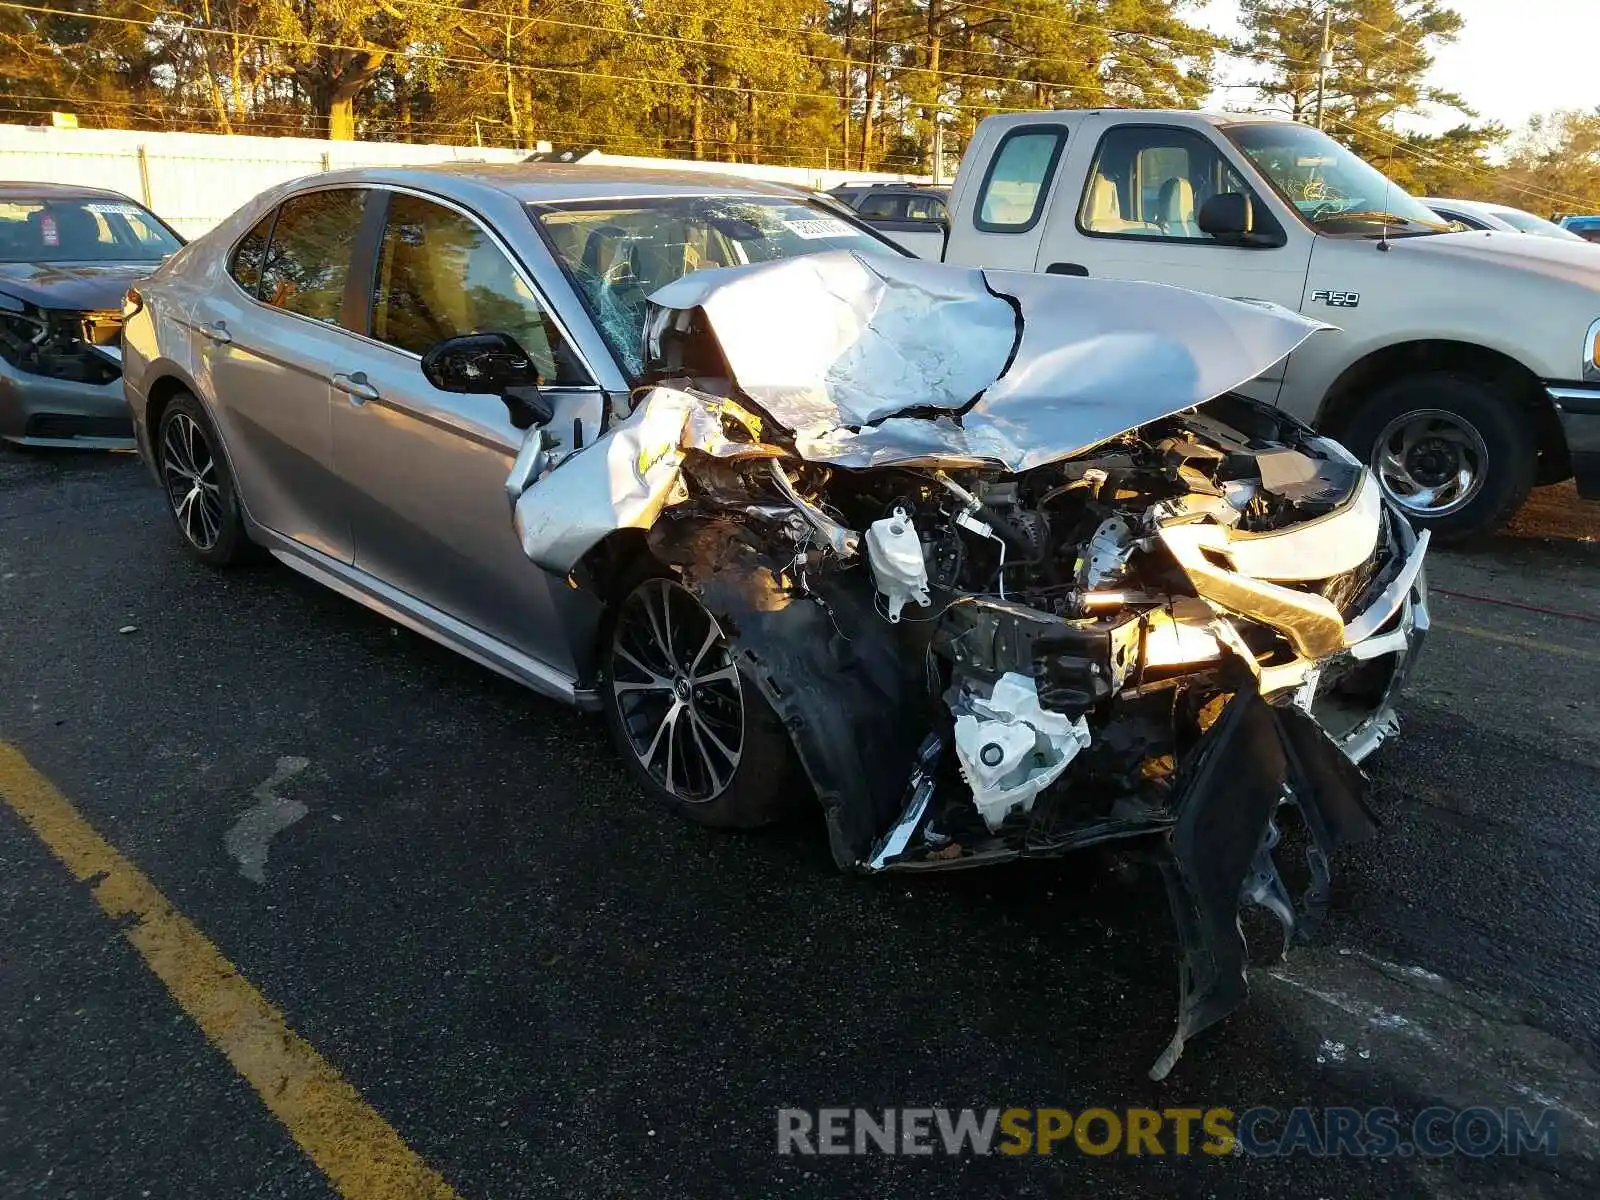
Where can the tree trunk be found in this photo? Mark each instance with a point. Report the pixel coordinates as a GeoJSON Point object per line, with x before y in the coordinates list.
{"type": "Point", "coordinates": [342, 118]}
{"type": "Point", "coordinates": [847, 88]}
{"type": "Point", "coordinates": [512, 120]}
{"type": "Point", "coordinates": [935, 48]}
{"type": "Point", "coordinates": [334, 85]}
{"type": "Point", "coordinates": [869, 114]}
{"type": "Point", "coordinates": [212, 83]}
{"type": "Point", "coordinates": [236, 75]}
{"type": "Point", "coordinates": [697, 118]}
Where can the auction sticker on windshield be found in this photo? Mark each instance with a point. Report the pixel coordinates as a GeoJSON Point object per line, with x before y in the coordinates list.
{"type": "Point", "coordinates": [818, 228]}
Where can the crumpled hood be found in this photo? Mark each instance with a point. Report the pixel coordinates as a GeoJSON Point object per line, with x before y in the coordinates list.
{"type": "Point", "coordinates": [1003, 367]}
{"type": "Point", "coordinates": [79, 287]}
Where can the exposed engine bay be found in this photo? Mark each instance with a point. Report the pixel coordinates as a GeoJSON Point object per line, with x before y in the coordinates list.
{"type": "Point", "coordinates": [1063, 588]}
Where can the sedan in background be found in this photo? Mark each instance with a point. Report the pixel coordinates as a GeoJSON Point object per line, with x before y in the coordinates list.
{"type": "Point", "coordinates": [912, 215]}
{"type": "Point", "coordinates": [1474, 214]}
{"type": "Point", "coordinates": [67, 256]}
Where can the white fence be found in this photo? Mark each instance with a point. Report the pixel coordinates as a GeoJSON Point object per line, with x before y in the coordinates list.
{"type": "Point", "coordinates": [193, 180]}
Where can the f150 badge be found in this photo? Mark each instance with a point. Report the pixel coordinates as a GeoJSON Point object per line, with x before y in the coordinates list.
{"type": "Point", "coordinates": [1336, 299]}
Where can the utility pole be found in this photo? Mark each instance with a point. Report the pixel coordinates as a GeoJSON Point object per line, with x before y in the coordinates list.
{"type": "Point", "coordinates": [1325, 59]}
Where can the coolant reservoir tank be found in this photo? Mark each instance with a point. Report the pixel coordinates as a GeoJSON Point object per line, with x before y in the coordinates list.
{"type": "Point", "coordinates": [898, 568]}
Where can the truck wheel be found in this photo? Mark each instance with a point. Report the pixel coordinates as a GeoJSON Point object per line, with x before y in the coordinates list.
{"type": "Point", "coordinates": [1451, 450]}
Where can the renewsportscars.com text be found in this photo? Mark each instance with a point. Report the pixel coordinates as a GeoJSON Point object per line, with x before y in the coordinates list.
{"type": "Point", "coordinates": [1259, 1132]}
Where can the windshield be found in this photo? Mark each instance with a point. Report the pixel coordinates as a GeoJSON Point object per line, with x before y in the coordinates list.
{"type": "Point", "coordinates": [81, 229]}
{"type": "Point", "coordinates": [618, 252]}
{"type": "Point", "coordinates": [1336, 192]}
{"type": "Point", "coordinates": [1528, 223]}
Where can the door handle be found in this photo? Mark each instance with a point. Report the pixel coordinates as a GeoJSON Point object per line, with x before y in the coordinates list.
{"type": "Point", "coordinates": [1066, 269]}
{"type": "Point", "coordinates": [217, 332]}
{"type": "Point", "coordinates": [355, 386]}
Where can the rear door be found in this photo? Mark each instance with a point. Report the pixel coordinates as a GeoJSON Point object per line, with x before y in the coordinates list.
{"type": "Point", "coordinates": [268, 342]}
{"type": "Point", "coordinates": [426, 469]}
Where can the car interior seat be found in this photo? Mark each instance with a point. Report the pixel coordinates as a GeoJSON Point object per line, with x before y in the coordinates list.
{"type": "Point", "coordinates": [1175, 208]}
{"type": "Point", "coordinates": [1105, 211]}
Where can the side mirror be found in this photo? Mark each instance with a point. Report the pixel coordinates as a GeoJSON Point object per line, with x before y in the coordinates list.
{"type": "Point", "coordinates": [1228, 217]}
{"type": "Point", "coordinates": [489, 364]}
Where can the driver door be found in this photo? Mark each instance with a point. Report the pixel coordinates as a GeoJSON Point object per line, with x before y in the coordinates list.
{"type": "Point", "coordinates": [1136, 216]}
{"type": "Point", "coordinates": [427, 469]}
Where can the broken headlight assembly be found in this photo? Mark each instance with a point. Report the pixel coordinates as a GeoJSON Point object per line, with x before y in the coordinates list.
{"type": "Point", "coordinates": [79, 347]}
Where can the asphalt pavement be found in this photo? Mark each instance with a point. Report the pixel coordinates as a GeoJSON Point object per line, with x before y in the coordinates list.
{"type": "Point", "coordinates": [451, 892]}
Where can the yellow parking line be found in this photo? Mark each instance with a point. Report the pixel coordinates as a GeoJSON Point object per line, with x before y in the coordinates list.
{"type": "Point", "coordinates": [363, 1157]}
{"type": "Point", "coordinates": [1512, 639]}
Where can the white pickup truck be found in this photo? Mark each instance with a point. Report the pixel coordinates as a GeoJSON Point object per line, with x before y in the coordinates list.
{"type": "Point", "coordinates": [1467, 368]}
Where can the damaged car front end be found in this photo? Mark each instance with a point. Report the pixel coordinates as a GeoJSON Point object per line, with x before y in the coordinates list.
{"type": "Point", "coordinates": [1014, 568]}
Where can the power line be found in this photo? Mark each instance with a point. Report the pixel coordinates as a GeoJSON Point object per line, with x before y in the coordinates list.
{"type": "Point", "coordinates": [1481, 173]}
{"type": "Point", "coordinates": [832, 60]}
{"type": "Point", "coordinates": [1167, 39]}
{"type": "Point", "coordinates": [457, 60]}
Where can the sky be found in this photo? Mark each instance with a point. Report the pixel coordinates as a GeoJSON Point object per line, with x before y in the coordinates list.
{"type": "Point", "coordinates": [1514, 58]}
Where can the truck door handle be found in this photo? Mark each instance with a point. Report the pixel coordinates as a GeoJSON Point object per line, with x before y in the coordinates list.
{"type": "Point", "coordinates": [1066, 269]}
{"type": "Point", "coordinates": [217, 332]}
{"type": "Point", "coordinates": [355, 386]}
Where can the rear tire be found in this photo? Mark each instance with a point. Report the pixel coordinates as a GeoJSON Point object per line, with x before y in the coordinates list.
{"type": "Point", "coordinates": [201, 496]}
{"type": "Point", "coordinates": [689, 722]}
{"type": "Point", "coordinates": [1454, 451]}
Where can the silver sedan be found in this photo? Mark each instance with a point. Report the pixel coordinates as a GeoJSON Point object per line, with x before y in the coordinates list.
{"type": "Point", "coordinates": [992, 564]}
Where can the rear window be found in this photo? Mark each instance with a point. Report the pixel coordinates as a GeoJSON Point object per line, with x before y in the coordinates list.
{"type": "Point", "coordinates": [881, 206]}
{"type": "Point", "coordinates": [1018, 180]}
{"type": "Point", "coordinates": [308, 260]}
{"type": "Point", "coordinates": [618, 252]}
{"type": "Point", "coordinates": [81, 229]}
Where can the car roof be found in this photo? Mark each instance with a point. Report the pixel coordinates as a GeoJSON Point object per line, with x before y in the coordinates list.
{"type": "Point", "coordinates": [19, 190]}
{"type": "Point", "coordinates": [1464, 205]}
{"type": "Point", "coordinates": [1169, 116]}
{"type": "Point", "coordinates": [546, 183]}
{"type": "Point", "coordinates": [1485, 207]}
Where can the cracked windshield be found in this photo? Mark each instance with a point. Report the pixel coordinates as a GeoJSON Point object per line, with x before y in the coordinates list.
{"type": "Point", "coordinates": [618, 254]}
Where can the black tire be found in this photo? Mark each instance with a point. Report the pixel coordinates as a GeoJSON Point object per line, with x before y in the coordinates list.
{"type": "Point", "coordinates": [1453, 421]}
{"type": "Point", "coordinates": [201, 497]}
{"type": "Point", "coordinates": [639, 686]}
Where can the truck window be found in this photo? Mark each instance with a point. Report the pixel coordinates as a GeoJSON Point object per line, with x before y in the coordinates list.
{"type": "Point", "coordinates": [1018, 179]}
{"type": "Point", "coordinates": [924, 208]}
{"type": "Point", "coordinates": [1150, 181]}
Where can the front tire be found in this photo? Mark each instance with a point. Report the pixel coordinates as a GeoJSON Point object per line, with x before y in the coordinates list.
{"type": "Point", "coordinates": [1453, 451]}
{"type": "Point", "coordinates": [686, 718]}
{"type": "Point", "coordinates": [200, 491]}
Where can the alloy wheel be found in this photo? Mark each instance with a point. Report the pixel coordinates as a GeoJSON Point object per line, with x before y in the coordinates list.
{"type": "Point", "coordinates": [1430, 462]}
{"type": "Point", "coordinates": [189, 469]}
{"type": "Point", "coordinates": [677, 691]}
